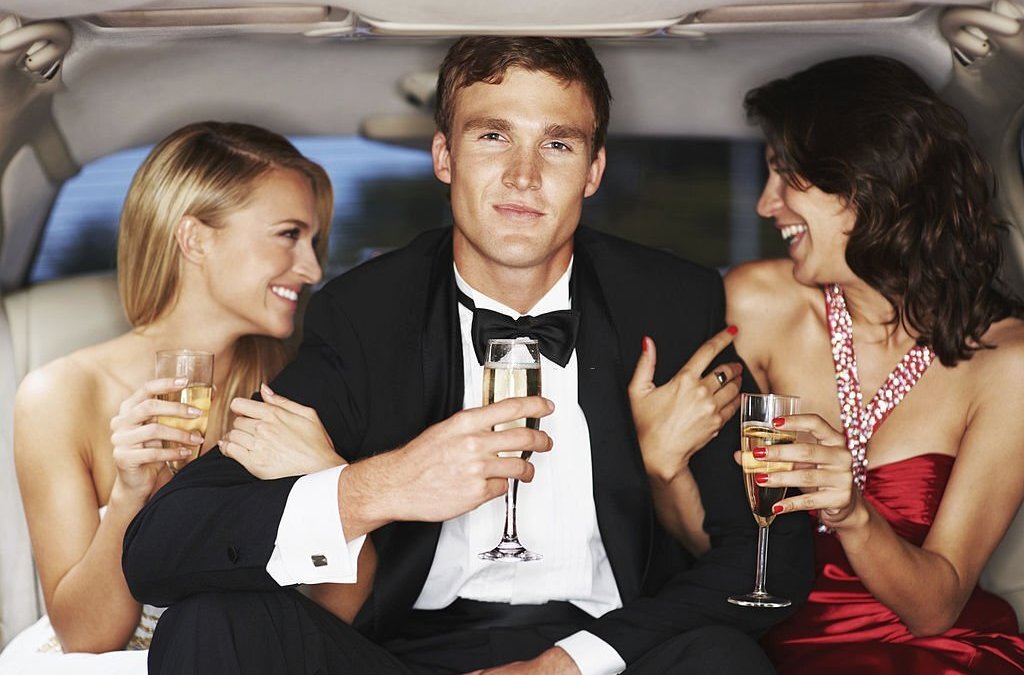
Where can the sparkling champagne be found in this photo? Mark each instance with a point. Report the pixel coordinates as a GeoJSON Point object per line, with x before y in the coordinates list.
{"type": "Point", "coordinates": [197, 396]}
{"type": "Point", "coordinates": [503, 381]}
{"type": "Point", "coordinates": [761, 498]}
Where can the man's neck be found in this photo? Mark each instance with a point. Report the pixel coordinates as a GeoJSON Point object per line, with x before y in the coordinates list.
{"type": "Point", "coordinates": [517, 288]}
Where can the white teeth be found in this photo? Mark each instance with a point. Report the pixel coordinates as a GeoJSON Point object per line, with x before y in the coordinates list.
{"type": "Point", "coordinates": [286, 293]}
{"type": "Point", "coordinates": [790, 232]}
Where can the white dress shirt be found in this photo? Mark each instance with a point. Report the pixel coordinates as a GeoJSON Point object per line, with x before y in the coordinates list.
{"type": "Point", "coordinates": [557, 517]}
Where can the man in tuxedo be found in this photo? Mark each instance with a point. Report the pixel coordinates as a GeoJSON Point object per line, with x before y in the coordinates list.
{"type": "Point", "coordinates": [390, 364]}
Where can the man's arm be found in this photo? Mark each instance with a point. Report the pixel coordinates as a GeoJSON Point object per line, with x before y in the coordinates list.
{"type": "Point", "coordinates": [211, 528]}
{"type": "Point", "coordinates": [215, 526]}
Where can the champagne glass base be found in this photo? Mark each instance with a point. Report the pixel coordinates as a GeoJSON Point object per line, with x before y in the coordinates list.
{"type": "Point", "coordinates": [510, 550]}
{"type": "Point", "coordinates": [759, 600]}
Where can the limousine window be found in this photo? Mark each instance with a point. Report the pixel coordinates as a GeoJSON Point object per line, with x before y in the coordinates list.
{"type": "Point", "coordinates": [693, 197]}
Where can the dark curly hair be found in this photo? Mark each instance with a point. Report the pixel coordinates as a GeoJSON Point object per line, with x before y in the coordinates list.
{"type": "Point", "coordinates": [869, 130]}
{"type": "Point", "coordinates": [484, 58]}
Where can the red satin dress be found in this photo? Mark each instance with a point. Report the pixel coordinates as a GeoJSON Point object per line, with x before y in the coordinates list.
{"type": "Point", "coordinates": [842, 628]}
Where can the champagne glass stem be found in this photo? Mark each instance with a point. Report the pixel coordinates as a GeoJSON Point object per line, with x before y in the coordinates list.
{"type": "Point", "coordinates": [762, 560]}
{"type": "Point", "coordinates": [510, 510]}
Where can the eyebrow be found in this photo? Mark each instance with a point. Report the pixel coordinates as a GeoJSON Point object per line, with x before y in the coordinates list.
{"type": "Point", "coordinates": [566, 131]}
{"type": "Point", "coordinates": [493, 123]}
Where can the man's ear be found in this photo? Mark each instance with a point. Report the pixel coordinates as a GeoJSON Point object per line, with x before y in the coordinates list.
{"type": "Point", "coordinates": [595, 173]}
{"type": "Point", "coordinates": [191, 235]}
{"type": "Point", "coordinates": [442, 158]}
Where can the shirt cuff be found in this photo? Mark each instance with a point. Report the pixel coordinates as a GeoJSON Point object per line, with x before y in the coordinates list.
{"type": "Point", "coordinates": [593, 656]}
{"type": "Point", "coordinates": [310, 547]}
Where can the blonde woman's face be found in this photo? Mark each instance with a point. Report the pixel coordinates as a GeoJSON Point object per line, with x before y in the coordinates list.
{"type": "Point", "coordinates": [263, 255]}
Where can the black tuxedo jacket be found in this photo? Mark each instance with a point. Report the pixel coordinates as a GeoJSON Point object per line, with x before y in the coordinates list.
{"type": "Point", "coordinates": [381, 360]}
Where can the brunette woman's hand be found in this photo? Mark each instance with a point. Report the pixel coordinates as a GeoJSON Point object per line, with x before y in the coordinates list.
{"type": "Point", "coordinates": [278, 437]}
{"type": "Point", "coordinates": [822, 469]}
{"type": "Point", "coordinates": [138, 438]}
{"type": "Point", "coordinates": [678, 418]}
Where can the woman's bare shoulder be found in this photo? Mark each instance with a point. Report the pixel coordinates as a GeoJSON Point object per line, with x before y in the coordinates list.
{"type": "Point", "coordinates": [75, 384]}
{"type": "Point", "coordinates": [766, 287]}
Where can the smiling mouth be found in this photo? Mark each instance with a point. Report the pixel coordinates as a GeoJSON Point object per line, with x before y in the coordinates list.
{"type": "Point", "coordinates": [792, 232]}
{"type": "Point", "coordinates": [285, 292]}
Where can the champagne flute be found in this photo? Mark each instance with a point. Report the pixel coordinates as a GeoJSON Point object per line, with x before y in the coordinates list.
{"type": "Point", "coordinates": [197, 368]}
{"type": "Point", "coordinates": [512, 368]}
{"type": "Point", "coordinates": [756, 431]}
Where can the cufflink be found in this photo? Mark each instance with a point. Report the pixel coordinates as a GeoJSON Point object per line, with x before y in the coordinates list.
{"type": "Point", "coordinates": [319, 560]}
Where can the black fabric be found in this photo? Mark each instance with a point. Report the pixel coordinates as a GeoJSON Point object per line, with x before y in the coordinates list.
{"type": "Point", "coordinates": [284, 633]}
{"type": "Point", "coordinates": [555, 332]}
{"type": "Point", "coordinates": [271, 633]}
{"type": "Point", "coordinates": [712, 650]}
{"type": "Point", "coordinates": [476, 615]}
{"type": "Point", "coordinates": [381, 360]}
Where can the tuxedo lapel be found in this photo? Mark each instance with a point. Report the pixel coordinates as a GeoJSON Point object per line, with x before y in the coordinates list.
{"type": "Point", "coordinates": [624, 514]}
{"type": "Point", "coordinates": [408, 547]}
{"type": "Point", "coordinates": [442, 343]}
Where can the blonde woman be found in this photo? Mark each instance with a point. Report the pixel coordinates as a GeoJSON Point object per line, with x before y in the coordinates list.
{"type": "Point", "coordinates": [222, 228]}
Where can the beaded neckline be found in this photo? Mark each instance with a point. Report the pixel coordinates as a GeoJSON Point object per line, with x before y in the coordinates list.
{"type": "Point", "coordinates": [859, 421]}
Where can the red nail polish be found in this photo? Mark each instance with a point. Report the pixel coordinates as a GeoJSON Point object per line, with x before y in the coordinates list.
{"type": "Point", "coordinates": [733, 330]}
{"type": "Point", "coordinates": [777, 509]}
{"type": "Point", "coordinates": [778, 422]}
{"type": "Point", "coordinates": [760, 478]}
{"type": "Point", "coordinates": [760, 453]}
{"type": "Point", "coordinates": [643, 343]}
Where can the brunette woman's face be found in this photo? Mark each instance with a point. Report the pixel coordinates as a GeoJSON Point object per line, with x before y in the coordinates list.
{"type": "Point", "coordinates": [815, 225]}
{"type": "Point", "coordinates": [263, 255]}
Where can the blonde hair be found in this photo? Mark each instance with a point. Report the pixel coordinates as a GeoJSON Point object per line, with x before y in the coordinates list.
{"type": "Point", "coordinates": [206, 170]}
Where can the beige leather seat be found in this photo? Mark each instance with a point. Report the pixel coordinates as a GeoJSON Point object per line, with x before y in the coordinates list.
{"type": "Point", "coordinates": [37, 325]}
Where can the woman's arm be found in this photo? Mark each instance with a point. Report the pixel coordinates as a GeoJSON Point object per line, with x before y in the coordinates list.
{"type": "Point", "coordinates": [926, 586]}
{"type": "Point", "coordinates": [78, 556]}
{"type": "Point", "coordinates": [675, 420]}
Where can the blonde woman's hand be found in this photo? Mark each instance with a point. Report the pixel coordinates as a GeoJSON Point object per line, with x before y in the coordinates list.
{"type": "Point", "coordinates": [138, 438]}
{"type": "Point", "coordinates": [278, 437]}
{"type": "Point", "coordinates": [822, 469]}
{"type": "Point", "coordinates": [678, 418]}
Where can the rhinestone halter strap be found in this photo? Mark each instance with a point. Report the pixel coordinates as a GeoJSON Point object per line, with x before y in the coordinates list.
{"type": "Point", "coordinates": [860, 422]}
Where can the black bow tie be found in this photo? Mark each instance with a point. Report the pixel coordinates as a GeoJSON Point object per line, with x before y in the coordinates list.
{"type": "Point", "coordinates": [555, 332]}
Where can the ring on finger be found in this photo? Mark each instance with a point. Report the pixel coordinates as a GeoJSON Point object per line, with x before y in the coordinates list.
{"type": "Point", "coordinates": [721, 377]}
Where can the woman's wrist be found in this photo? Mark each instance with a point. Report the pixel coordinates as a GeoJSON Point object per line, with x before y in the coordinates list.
{"type": "Point", "coordinates": [665, 472]}
{"type": "Point", "coordinates": [854, 526]}
{"type": "Point", "coordinates": [124, 499]}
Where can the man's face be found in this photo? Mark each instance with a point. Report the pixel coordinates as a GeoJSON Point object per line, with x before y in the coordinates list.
{"type": "Point", "coordinates": [519, 163]}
